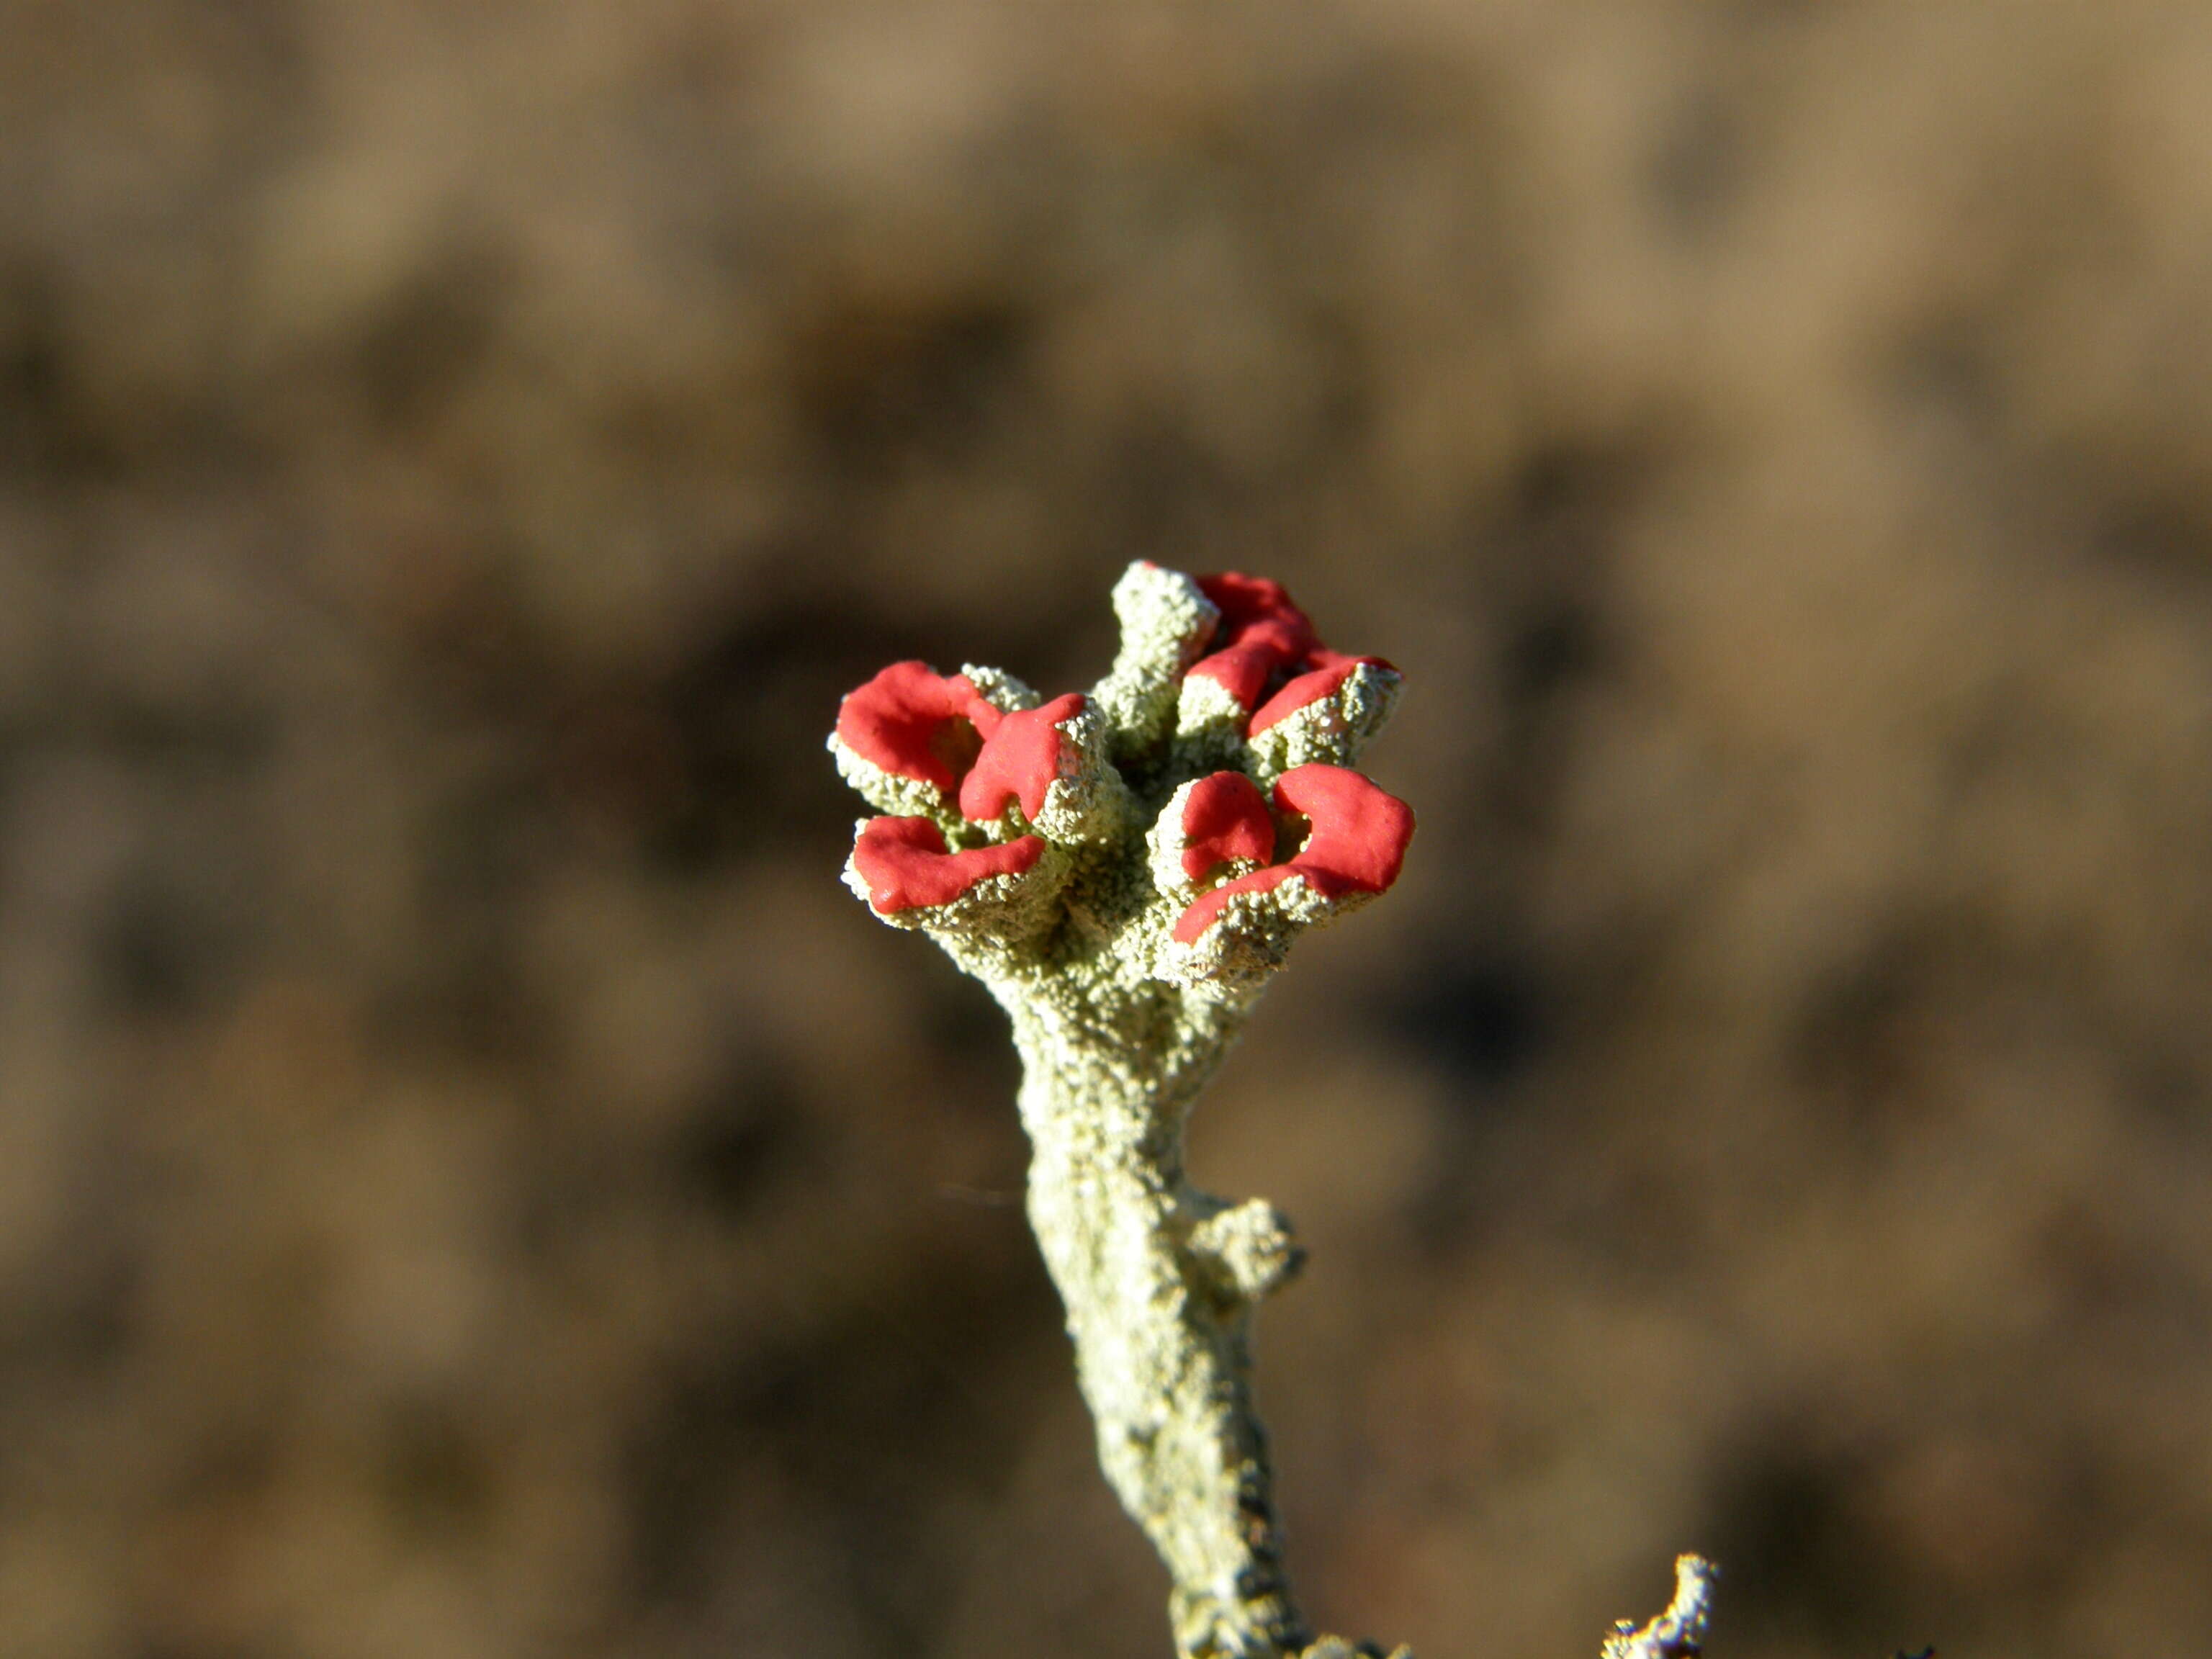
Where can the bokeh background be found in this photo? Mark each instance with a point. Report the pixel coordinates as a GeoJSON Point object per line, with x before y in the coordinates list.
{"type": "Point", "coordinates": [474, 1186]}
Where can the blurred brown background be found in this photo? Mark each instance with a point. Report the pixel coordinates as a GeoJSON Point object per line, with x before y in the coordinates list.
{"type": "Point", "coordinates": [472, 1183]}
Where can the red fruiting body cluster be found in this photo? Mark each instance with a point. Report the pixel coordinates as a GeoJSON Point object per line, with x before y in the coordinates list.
{"type": "Point", "coordinates": [1021, 756]}
{"type": "Point", "coordinates": [941, 731]}
{"type": "Point", "coordinates": [1266, 648]}
{"type": "Point", "coordinates": [916, 723]}
{"type": "Point", "coordinates": [1224, 816]}
{"type": "Point", "coordinates": [1356, 845]}
{"type": "Point", "coordinates": [908, 720]}
{"type": "Point", "coordinates": [905, 863]}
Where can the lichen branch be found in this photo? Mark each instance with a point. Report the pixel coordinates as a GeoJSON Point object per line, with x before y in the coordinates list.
{"type": "Point", "coordinates": [1679, 1632]}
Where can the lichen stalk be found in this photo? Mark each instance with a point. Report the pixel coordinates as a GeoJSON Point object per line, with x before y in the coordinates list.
{"type": "Point", "coordinates": [1161, 1329]}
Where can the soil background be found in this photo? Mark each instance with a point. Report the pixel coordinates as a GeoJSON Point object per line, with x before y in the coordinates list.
{"type": "Point", "coordinates": [473, 1185]}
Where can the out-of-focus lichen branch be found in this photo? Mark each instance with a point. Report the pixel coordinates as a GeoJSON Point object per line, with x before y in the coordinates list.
{"type": "Point", "coordinates": [1125, 872]}
{"type": "Point", "coordinates": [1679, 1632]}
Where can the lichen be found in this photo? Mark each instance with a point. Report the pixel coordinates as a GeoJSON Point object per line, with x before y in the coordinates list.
{"type": "Point", "coordinates": [1126, 872]}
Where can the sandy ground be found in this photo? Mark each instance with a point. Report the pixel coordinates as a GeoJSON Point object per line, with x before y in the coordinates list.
{"type": "Point", "coordinates": [472, 1184]}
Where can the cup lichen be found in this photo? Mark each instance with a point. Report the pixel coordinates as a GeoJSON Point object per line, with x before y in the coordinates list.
{"type": "Point", "coordinates": [1125, 872]}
